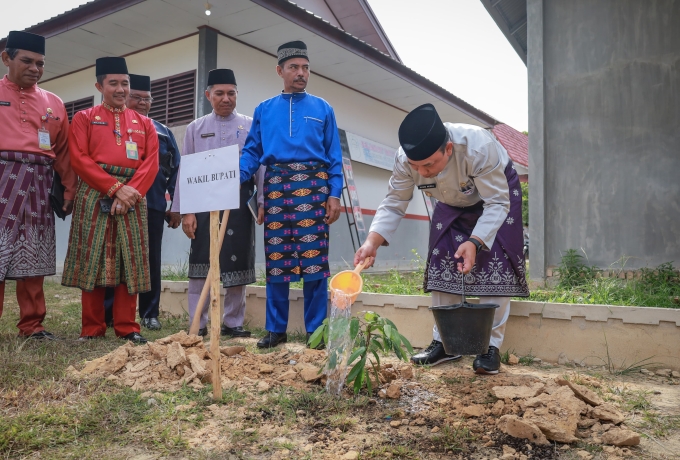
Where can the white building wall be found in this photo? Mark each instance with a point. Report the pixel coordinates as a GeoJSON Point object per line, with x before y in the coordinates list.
{"type": "Point", "coordinates": [163, 61]}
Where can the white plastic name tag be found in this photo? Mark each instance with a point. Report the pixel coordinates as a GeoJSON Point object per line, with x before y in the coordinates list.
{"type": "Point", "coordinates": [44, 139]}
{"type": "Point", "coordinates": [131, 150]}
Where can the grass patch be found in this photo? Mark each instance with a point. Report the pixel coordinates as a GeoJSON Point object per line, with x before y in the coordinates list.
{"type": "Point", "coordinates": [400, 452]}
{"type": "Point", "coordinates": [453, 439]}
{"type": "Point", "coordinates": [581, 283]}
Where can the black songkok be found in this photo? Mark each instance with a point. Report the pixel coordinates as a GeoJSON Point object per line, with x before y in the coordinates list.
{"type": "Point", "coordinates": [111, 65]}
{"type": "Point", "coordinates": [221, 77]}
{"type": "Point", "coordinates": [421, 133]}
{"type": "Point", "coordinates": [291, 50]}
{"type": "Point", "coordinates": [26, 41]}
{"type": "Point", "coordinates": [140, 82]}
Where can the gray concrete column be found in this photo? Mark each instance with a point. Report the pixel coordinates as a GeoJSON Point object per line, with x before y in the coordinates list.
{"type": "Point", "coordinates": [207, 61]}
{"type": "Point", "coordinates": [537, 144]}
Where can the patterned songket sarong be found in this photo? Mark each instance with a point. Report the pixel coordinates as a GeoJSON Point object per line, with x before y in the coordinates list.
{"type": "Point", "coordinates": [295, 234]}
{"type": "Point", "coordinates": [27, 243]}
{"type": "Point", "coordinates": [106, 250]}
{"type": "Point", "coordinates": [499, 272]}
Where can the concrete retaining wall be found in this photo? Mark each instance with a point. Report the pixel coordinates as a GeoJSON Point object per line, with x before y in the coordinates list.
{"type": "Point", "coordinates": [546, 330]}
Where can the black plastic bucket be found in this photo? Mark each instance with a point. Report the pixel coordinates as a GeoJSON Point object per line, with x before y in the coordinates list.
{"type": "Point", "coordinates": [465, 328]}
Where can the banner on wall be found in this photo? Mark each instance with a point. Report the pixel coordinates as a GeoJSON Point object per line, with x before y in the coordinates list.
{"type": "Point", "coordinates": [352, 188]}
{"type": "Point", "coordinates": [370, 152]}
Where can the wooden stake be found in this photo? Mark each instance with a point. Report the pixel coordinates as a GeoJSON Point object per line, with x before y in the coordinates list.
{"type": "Point", "coordinates": [195, 321]}
{"type": "Point", "coordinates": [215, 317]}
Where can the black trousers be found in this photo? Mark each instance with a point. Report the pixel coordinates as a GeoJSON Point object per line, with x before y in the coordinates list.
{"type": "Point", "coordinates": [149, 302]}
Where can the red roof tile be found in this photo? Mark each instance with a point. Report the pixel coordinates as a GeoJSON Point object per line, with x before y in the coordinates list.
{"type": "Point", "coordinates": [516, 143]}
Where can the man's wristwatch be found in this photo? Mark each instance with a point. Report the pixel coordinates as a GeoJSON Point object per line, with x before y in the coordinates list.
{"type": "Point", "coordinates": [477, 244]}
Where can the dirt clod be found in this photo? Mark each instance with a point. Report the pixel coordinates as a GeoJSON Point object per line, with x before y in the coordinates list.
{"type": "Point", "coordinates": [621, 437]}
{"type": "Point", "coordinates": [519, 428]}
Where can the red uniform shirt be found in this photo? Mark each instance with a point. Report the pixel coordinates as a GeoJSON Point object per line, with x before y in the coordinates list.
{"type": "Point", "coordinates": [21, 110]}
{"type": "Point", "coordinates": [98, 135]}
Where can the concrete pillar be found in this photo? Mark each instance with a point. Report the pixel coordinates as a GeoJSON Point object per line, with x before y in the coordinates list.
{"type": "Point", "coordinates": [207, 61]}
{"type": "Point", "coordinates": [537, 153]}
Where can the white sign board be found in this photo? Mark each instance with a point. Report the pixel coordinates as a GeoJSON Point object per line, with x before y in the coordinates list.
{"type": "Point", "coordinates": [371, 153]}
{"type": "Point", "coordinates": [210, 180]}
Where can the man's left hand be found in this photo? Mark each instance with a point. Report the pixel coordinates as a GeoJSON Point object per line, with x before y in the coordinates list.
{"type": "Point", "coordinates": [68, 207]}
{"type": "Point", "coordinates": [468, 252]}
{"type": "Point", "coordinates": [260, 216]}
{"type": "Point", "coordinates": [332, 210]}
{"type": "Point", "coordinates": [175, 219]}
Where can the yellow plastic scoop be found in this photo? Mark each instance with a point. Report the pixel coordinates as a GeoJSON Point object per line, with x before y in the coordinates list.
{"type": "Point", "coordinates": [349, 282]}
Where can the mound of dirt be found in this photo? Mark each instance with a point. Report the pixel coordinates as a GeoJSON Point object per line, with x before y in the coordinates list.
{"type": "Point", "coordinates": [169, 363]}
{"type": "Point", "coordinates": [561, 411]}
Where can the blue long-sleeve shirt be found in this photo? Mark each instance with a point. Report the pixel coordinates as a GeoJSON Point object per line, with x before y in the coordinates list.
{"type": "Point", "coordinates": [294, 127]}
{"type": "Point", "coordinates": [168, 159]}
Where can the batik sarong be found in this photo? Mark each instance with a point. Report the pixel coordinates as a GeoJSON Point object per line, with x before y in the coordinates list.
{"type": "Point", "coordinates": [499, 272]}
{"type": "Point", "coordinates": [237, 256]}
{"type": "Point", "coordinates": [27, 243]}
{"type": "Point", "coordinates": [295, 234]}
{"type": "Point", "coordinates": [106, 250]}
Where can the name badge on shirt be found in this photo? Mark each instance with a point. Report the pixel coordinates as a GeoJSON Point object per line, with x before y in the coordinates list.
{"type": "Point", "coordinates": [5, 103]}
{"type": "Point", "coordinates": [207, 135]}
{"type": "Point", "coordinates": [426, 186]}
{"type": "Point", "coordinates": [131, 150]}
{"type": "Point", "coordinates": [44, 139]}
{"type": "Point", "coordinates": [103, 123]}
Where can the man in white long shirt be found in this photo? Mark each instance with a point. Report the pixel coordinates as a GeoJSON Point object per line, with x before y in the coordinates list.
{"type": "Point", "coordinates": [478, 219]}
{"type": "Point", "coordinates": [223, 127]}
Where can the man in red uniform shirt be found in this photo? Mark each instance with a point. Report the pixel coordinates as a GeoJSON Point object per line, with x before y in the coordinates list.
{"type": "Point", "coordinates": [115, 152]}
{"type": "Point", "coordinates": [33, 140]}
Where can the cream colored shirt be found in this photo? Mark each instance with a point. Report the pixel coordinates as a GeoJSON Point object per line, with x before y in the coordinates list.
{"type": "Point", "coordinates": [475, 172]}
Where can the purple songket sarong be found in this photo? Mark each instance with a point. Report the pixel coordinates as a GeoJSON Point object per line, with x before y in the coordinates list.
{"type": "Point", "coordinates": [27, 242]}
{"type": "Point", "coordinates": [499, 272]}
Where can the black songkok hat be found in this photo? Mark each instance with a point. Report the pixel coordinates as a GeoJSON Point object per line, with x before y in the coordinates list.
{"type": "Point", "coordinates": [292, 50]}
{"type": "Point", "coordinates": [421, 133]}
{"type": "Point", "coordinates": [221, 77]}
{"type": "Point", "coordinates": [26, 41]}
{"type": "Point", "coordinates": [111, 65]}
{"type": "Point", "coordinates": [140, 82]}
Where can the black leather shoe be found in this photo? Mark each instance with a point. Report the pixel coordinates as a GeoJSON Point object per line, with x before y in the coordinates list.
{"type": "Point", "coordinates": [152, 324]}
{"type": "Point", "coordinates": [488, 363]}
{"type": "Point", "coordinates": [272, 339]}
{"type": "Point", "coordinates": [320, 346]}
{"type": "Point", "coordinates": [42, 335]}
{"type": "Point", "coordinates": [134, 337]}
{"type": "Point", "coordinates": [203, 332]}
{"type": "Point", "coordinates": [237, 331]}
{"type": "Point", "coordinates": [433, 355]}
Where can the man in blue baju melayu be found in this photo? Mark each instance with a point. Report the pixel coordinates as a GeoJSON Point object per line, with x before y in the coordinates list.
{"type": "Point", "coordinates": [295, 136]}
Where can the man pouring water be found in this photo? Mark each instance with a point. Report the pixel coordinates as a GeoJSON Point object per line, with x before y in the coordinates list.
{"type": "Point", "coordinates": [476, 229]}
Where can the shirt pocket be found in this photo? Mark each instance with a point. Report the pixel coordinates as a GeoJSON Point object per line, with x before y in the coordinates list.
{"type": "Point", "coordinates": [313, 127]}
{"type": "Point", "coordinates": [139, 138]}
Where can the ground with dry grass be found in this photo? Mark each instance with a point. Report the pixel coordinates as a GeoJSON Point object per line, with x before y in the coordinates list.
{"type": "Point", "coordinates": [442, 412]}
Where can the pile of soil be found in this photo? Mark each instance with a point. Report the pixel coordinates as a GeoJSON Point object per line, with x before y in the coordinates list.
{"type": "Point", "coordinates": [169, 363]}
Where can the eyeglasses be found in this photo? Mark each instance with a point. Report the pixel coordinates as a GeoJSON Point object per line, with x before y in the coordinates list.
{"type": "Point", "coordinates": [148, 100]}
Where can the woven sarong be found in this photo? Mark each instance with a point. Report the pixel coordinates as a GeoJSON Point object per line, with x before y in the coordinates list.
{"type": "Point", "coordinates": [106, 250]}
{"type": "Point", "coordinates": [295, 234]}
{"type": "Point", "coordinates": [237, 256]}
{"type": "Point", "coordinates": [499, 272]}
{"type": "Point", "coordinates": [27, 244]}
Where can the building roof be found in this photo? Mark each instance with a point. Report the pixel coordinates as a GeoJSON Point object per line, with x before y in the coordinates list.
{"type": "Point", "coordinates": [511, 18]}
{"type": "Point", "coordinates": [106, 28]}
{"type": "Point", "coordinates": [516, 143]}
